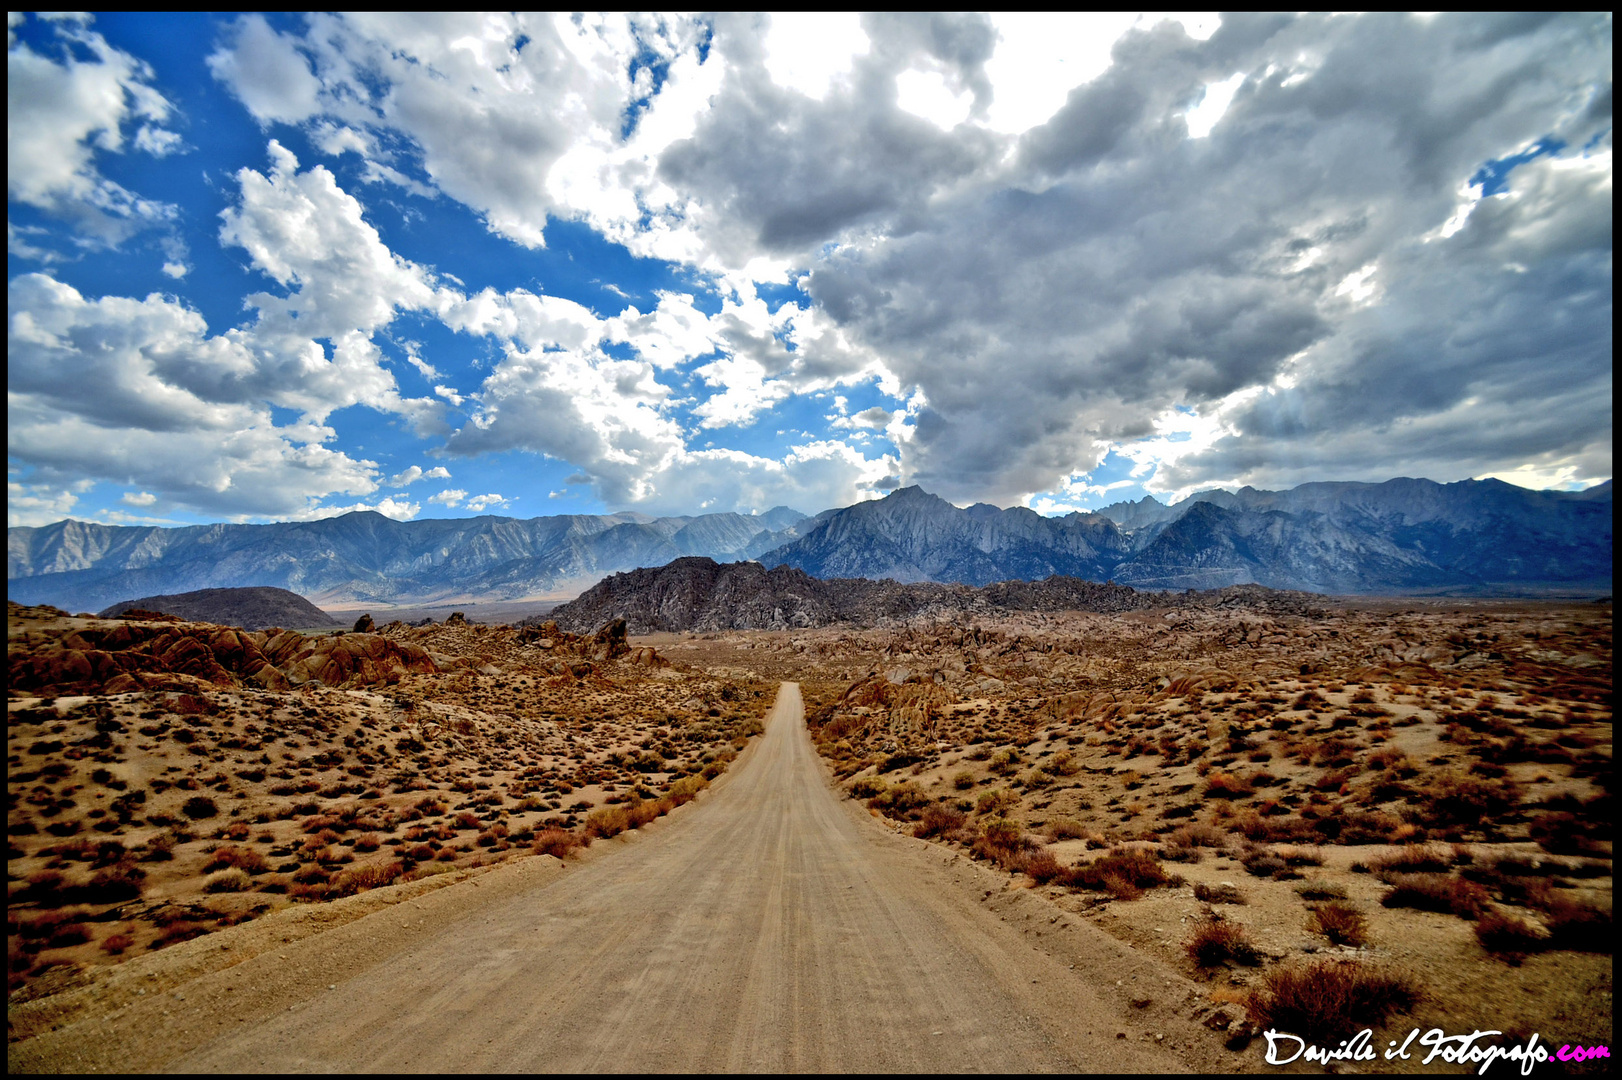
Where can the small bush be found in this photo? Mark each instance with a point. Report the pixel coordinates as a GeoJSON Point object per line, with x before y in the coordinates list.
{"type": "Point", "coordinates": [1042, 866]}
{"type": "Point", "coordinates": [866, 787]}
{"type": "Point", "coordinates": [1340, 923]}
{"type": "Point", "coordinates": [115, 944]}
{"type": "Point", "coordinates": [1221, 785]}
{"type": "Point", "coordinates": [231, 880]}
{"type": "Point", "coordinates": [1509, 938]}
{"type": "Point", "coordinates": [559, 843]}
{"type": "Point", "coordinates": [1066, 829]}
{"type": "Point", "coordinates": [1329, 1000]}
{"type": "Point", "coordinates": [1436, 892]}
{"type": "Point", "coordinates": [996, 803]}
{"type": "Point", "coordinates": [1217, 941]}
{"type": "Point", "coordinates": [247, 860]}
{"type": "Point", "coordinates": [198, 807]}
{"type": "Point", "coordinates": [1415, 859]}
{"type": "Point", "coordinates": [938, 819]}
{"type": "Point", "coordinates": [1118, 873]}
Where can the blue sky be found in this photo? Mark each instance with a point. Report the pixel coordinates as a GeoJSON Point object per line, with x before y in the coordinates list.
{"type": "Point", "coordinates": [279, 267]}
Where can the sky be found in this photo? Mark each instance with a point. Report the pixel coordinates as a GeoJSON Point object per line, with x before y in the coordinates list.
{"type": "Point", "coordinates": [280, 267]}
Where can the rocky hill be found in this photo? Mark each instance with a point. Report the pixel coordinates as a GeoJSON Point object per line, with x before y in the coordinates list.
{"type": "Point", "coordinates": [253, 608]}
{"type": "Point", "coordinates": [703, 595]}
{"type": "Point", "coordinates": [1402, 536]}
{"type": "Point", "coordinates": [366, 558]}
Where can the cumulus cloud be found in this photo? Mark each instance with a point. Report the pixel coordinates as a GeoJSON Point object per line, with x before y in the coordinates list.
{"type": "Point", "coordinates": [451, 497]}
{"type": "Point", "coordinates": [415, 473]}
{"type": "Point", "coordinates": [136, 392]}
{"type": "Point", "coordinates": [59, 115]}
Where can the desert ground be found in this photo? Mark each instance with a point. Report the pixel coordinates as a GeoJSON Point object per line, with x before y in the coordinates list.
{"type": "Point", "coordinates": [1061, 841]}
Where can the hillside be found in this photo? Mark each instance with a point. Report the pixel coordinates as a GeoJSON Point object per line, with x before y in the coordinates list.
{"type": "Point", "coordinates": [254, 608]}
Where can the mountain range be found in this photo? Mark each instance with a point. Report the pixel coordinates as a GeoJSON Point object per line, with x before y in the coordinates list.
{"type": "Point", "coordinates": [1480, 537]}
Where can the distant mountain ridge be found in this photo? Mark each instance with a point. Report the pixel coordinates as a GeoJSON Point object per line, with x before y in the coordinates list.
{"type": "Point", "coordinates": [1403, 535]}
{"type": "Point", "coordinates": [1475, 537]}
{"type": "Point", "coordinates": [366, 558]}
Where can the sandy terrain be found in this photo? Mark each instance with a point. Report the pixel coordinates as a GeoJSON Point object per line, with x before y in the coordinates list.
{"type": "Point", "coordinates": [768, 926]}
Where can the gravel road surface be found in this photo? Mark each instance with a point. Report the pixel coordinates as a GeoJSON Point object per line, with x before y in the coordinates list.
{"type": "Point", "coordinates": [770, 926]}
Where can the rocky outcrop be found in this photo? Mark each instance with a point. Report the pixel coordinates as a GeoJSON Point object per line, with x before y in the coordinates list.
{"type": "Point", "coordinates": [703, 595]}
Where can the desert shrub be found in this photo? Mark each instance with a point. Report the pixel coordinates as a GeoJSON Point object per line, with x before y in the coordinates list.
{"type": "Point", "coordinates": [1263, 863]}
{"type": "Point", "coordinates": [115, 884]}
{"type": "Point", "coordinates": [1564, 833]}
{"type": "Point", "coordinates": [1453, 801]}
{"type": "Point", "coordinates": [311, 875]}
{"type": "Point", "coordinates": [1340, 922]}
{"type": "Point", "coordinates": [230, 880]}
{"type": "Point", "coordinates": [1414, 859]}
{"type": "Point", "coordinates": [963, 781]}
{"type": "Point", "coordinates": [54, 931]}
{"type": "Point", "coordinates": [559, 843]}
{"type": "Point", "coordinates": [1001, 833]}
{"type": "Point", "coordinates": [937, 819]}
{"type": "Point", "coordinates": [115, 944]}
{"type": "Point", "coordinates": [1042, 866]}
{"type": "Point", "coordinates": [685, 790]}
{"type": "Point", "coordinates": [866, 787]}
{"type": "Point", "coordinates": [360, 878]}
{"type": "Point", "coordinates": [198, 807]}
{"type": "Point", "coordinates": [1198, 835]}
{"type": "Point", "coordinates": [465, 820]}
{"type": "Point", "coordinates": [900, 801]}
{"type": "Point", "coordinates": [246, 859]}
{"type": "Point", "coordinates": [1320, 890]}
{"type": "Point", "coordinates": [1117, 872]}
{"type": "Point", "coordinates": [1004, 762]}
{"type": "Point", "coordinates": [996, 803]}
{"type": "Point", "coordinates": [1579, 927]}
{"type": "Point", "coordinates": [1508, 937]}
{"type": "Point", "coordinates": [1329, 1000]}
{"type": "Point", "coordinates": [1435, 892]}
{"type": "Point", "coordinates": [606, 821]}
{"type": "Point", "coordinates": [184, 930]}
{"type": "Point", "coordinates": [1066, 828]}
{"type": "Point", "coordinates": [1216, 941]}
{"type": "Point", "coordinates": [1218, 894]}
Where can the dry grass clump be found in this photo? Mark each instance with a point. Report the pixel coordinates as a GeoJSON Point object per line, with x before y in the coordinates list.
{"type": "Point", "coordinates": [1221, 785]}
{"type": "Point", "coordinates": [559, 843]}
{"type": "Point", "coordinates": [1414, 859]}
{"type": "Point", "coordinates": [1217, 941]}
{"type": "Point", "coordinates": [939, 819]}
{"type": "Point", "coordinates": [1124, 874]}
{"type": "Point", "coordinates": [1445, 893]}
{"type": "Point", "coordinates": [230, 880]}
{"type": "Point", "coordinates": [1340, 922]}
{"type": "Point", "coordinates": [1329, 1000]}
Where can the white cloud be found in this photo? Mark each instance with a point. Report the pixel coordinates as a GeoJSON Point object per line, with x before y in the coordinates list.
{"type": "Point", "coordinates": [176, 270]}
{"type": "Point", "coordinates": [60, 115]}
{"type": "Point", "coordinates": [388, 506]}
{"type": "Point", "coordinates": [1213, 102]}
{"type": "Point", "coordinates": [37, 504]}
{"type": "Point", "coordinates": [808, 51]}
{"type": "Point", "coordinates": [480, 503]}
{"type": "Point", "coordinates": [449, 497]}
{"type": "Point", "coordinates": [135, 392]}
{"type": "Point", "coordinates": [415, 473]}
{"type": "Point", "coordinates": [267, 72]}
{"type": "Point", "coordinates": [144, 498]}
{"type": "Point", "coordinates": [311, 237]}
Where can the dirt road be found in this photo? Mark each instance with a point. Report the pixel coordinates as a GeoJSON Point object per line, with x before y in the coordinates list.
{"type": "Point", "coordinates": [769, 926]}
